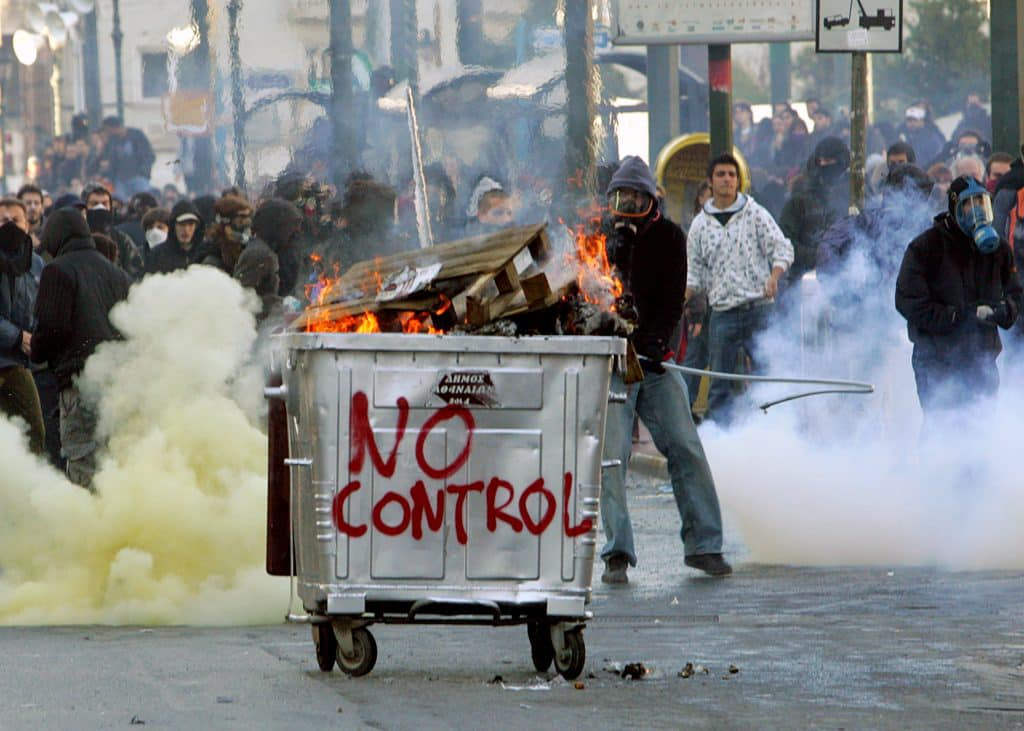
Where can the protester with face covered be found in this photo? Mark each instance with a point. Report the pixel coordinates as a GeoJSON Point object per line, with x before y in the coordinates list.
{"type": "Point", "coordinates": [956, 285]}
{"type": "Point", "coordinates": [276, 225]}
{"type": "Point", "coordinates": [138, 206]}
{"type": "Point", "coordinates": [823, 200]}
{"type": "Point", "coordinates": [76, 292]}
{"type": "Point", "coordinates": [230, 233]}
{"type": "Point", "coordinates": [365, 224]}
{"type": "Point", "coordinates": [649, 252]}
{"type": "Point", "coordinates": [19, 396]}
{"type": "Point", "coordinates": [100, 216]}
{"type": "Point", "coordinates": [156, 225]}
{"type": "Point", "coordinates": [183, 246]}
{"type": "Point", "coordinates": [737, 257]}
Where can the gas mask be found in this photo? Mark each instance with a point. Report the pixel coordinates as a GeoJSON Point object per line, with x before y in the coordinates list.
{"type": "Point", "coordinates": [155, 236]}
{"type": "Point", "coordinates": [242, 234]}
{"type": "Point", "coordinates": [974, 217]}
{"type": "Point", "coordinates": [629, 209]}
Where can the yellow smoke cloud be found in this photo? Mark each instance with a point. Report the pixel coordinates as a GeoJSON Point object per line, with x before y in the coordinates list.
{"type": "Point", "coordinates": [176, 531]}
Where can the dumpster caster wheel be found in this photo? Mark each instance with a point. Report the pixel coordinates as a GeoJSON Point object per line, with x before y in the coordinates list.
{"type": "Point", "coordinates": [326, 646]}
{"type": "Point", "coordinates": [571, 660]}
{"type": "Point", "coordinates": [541, 649]}
{"type": "Point", "coordinates": [364, 656]}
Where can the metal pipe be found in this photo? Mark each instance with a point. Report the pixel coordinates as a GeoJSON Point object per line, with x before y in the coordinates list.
{"type": "Point", "coordinates": [237, 95]}
{"type": "Point", "coordinates": [423, 228]}
{"type": "Point", "coordinates": [117, 36]}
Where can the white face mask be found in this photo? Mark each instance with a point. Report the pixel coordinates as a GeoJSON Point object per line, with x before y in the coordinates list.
{"type": "Point", "coordinates": [156, 236]}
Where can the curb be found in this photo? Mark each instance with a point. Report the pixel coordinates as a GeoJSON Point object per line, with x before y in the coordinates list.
{"type": "Point", "coordinates": [649, 465]}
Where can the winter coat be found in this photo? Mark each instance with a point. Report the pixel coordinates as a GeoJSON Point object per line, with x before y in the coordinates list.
{"type": "Point", "coordinates": [258, 269]}
{"type": "Point", "coordinates": [941, 282]}
{"type": "Point", "coordinates": [170, 256]}
{"type": "Point", "coordinates": [927, 142]}
{"type": "Point", "coordinates": [278, 223]}
{"type": "Point", "coordinates": [128, 157]}
{"type": "Point", "coordinates": [653, 268]}
{"type": "Point", "coordinates": [17, 301]}
{"type": "Point", "coordinates": [807, 216]}
{"type": "Point", "coordinates": [76, 292]}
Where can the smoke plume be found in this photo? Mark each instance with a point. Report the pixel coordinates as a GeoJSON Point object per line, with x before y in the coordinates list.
{"type": "Point", "coordinates": [176, 531]}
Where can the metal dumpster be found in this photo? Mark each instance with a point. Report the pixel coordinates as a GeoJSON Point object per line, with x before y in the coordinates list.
{"type": "Point", "coordinates": [444, 479]}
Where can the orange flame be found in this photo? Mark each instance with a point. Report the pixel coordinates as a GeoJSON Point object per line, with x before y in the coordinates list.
{"type": "Point", "coordinates": [598, 282]}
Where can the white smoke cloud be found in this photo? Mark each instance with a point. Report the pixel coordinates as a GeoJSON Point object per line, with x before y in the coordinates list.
{"type": "Point", "coordinates": [176, 531]}
{"type": "Point", "coordinates": [848, 479]}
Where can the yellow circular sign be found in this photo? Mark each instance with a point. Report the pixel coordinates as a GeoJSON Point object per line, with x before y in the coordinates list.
{"type": "Point", "coordinates": [681, 167]}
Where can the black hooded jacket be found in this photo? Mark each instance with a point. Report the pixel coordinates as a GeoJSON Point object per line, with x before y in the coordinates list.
{"type": "Point", "coordinates": [76, 292]}
{"type": "Point", "coordinates": [942, 281]}
{"type": "Point", "coordinates": [170, 256]}
{"type": "Point", "coordinates": [261, 265]}
{"type": "Point", "coordinates": [17, 294]}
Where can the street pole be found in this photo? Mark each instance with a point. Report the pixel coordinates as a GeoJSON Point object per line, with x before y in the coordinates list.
{"type": "Point", "coordinates": [1007, 37]}
{"type": "Point", "coordinates": [198, 79]}
{"type": "Point", "coordinates": [58, 100]}
{"type": "Point", "coordinates": [720, 98]}
{"type": "Point", "coordinates": [858, 126]}
{"type": "Point", "coordinates": [237, 95]}
{"type": "Point", "coordinates": [405, 43]}
{"type": "Point", "coordinates": [117, 36]}
{"type": "Point", "coordinates": [779, 69]}
{"type": "Point", "coordinates": [91, 70]}
{"type": "Point", "coordinates": [662, 98]}
{"type": "Point", "coordinates": [345, 154]}
{"type": "Point", "coordinates": [580, 162]}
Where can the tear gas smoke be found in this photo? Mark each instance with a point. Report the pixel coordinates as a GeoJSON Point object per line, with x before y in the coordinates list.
{"type": "Point", "coordinates": [848, 480]}
{"type": "Point", "coordinates": [176, 531]}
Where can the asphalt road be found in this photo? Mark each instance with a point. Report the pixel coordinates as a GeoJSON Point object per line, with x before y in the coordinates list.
{"type": "Point", "coordinates": [813, 648]}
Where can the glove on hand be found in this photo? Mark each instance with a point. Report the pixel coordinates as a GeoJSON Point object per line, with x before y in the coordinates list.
{"type": "Point", "coordinates": [696, 308]}
{"type": "Point", "coordinates": [651, 351]}
{"type": "Point", "coordinates": [985, 314]}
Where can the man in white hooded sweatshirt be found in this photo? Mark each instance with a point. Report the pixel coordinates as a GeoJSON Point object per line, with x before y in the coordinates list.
{"type": "Point", "coordinates": [735, 258]}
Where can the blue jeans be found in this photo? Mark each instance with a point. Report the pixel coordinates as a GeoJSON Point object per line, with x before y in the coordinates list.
{"type": "Point", "coordinates": [731, 330]}
{"type": "Point", "coordinates": [662, 404]}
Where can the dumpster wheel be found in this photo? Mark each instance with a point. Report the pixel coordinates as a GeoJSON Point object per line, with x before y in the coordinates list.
{"type": "Point", "coordinates": [541, 649]}
{"type": "Point", "coordinates": [364, 654]}
{"type": "Point", "coordinates": [569, 661]}
{"type": "Point", "coordinates": [326, 646]}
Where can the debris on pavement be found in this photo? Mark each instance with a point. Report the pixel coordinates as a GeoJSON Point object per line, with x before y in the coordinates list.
{"type": "Point", "coordinates": [689, 670]}
{"type": "Point", "coordinates": [136, 721]}
{"type": "Point", "coordinates": [733, 669]}
{"type": "Point", "coordinates": [495, 680]}
{"type": "Point", "coordinates": [634, 671]}
{"type": "Point", "coordinates": [578, 685]}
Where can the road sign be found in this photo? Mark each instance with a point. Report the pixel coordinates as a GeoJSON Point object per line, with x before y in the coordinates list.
{"type": "Point", "coordinates": [654, 22]}
{"type": "Point", "coordinates": [873, 26]}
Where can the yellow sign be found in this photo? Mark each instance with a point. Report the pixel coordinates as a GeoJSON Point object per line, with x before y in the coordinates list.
{"type": "Point", "coordinates": [682, 166]}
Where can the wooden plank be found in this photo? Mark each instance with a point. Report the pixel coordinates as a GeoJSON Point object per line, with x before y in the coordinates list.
{"type": "Point", "coordinates": [536, 288]}
{"type": "Point", "coordinates": [507, 279]}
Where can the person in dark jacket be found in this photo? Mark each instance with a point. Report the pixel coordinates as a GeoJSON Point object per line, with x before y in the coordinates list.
{"type": "Point", "coordinates": [277, 225]}
{"type": "Point", "coordinates": [183, 246]}
{"type": "Point", "coordinates": [127, 157]}
{"type": "Point", "coordinates": [650, 253]}
{"type": "Point", "coordinates": [956, 285]}
{"type": "Point", "coordinates": [99, 214]}
{"type": "Point", "coordinates": [230, 233]}
{"type": "Point", "coordinates": [824, 200]}
{"type": "Point", "coordinates": [19, 396]}
{"type": "Point", "coordinates": [76, 293]}
{"type": "Point", "coordinates": [138, 207]}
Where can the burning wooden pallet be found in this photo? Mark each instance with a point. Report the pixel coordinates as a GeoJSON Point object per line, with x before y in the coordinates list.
{"type": "Point", "coordinates": [479, 280]}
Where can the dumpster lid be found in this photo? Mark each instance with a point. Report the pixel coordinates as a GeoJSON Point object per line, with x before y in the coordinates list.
{"type": "Point", "coordinates": [533, 344]}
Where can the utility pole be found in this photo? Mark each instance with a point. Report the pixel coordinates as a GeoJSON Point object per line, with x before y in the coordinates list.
{"type": "Point", "coordinates": [91, 70]}
{"type": "Point", "coordinates": [237, 94]}
{"type": "Point", "coordinates": [858, 126]}
{"type": "Point", "coordinates": [405, 43]}
{"type": "Point", "coordinates": [196, 77]}
{"type": "Point", "coordinates": [580, 162]}
{"type": "Point", "coordinates": [662, 98]}
{"type": "Point", "coordinates": [1007, 32]}
{"type": "Point", "coordinates": [720, 98]}
{"type": "Point", "coordinates": [779, 69]}
{"type": "Point", "coordinates": [117, 36]}
{"type": "Point", "coordinates": [345, 151]}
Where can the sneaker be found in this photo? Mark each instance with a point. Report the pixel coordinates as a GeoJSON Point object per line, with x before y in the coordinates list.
{"type": "Point", "coordinates": [615, 570]}
{"type": "Point", "coordinates": [712, 564]}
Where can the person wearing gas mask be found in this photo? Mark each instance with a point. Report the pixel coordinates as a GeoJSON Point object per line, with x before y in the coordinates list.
{"type": "Point", "coordinates": [232, 231]}
{"type": "Point", "coordinates": [958, 284]}
{"type": "Point", "coordinates": [737, 256]}
{"type": "Point", "coordinates": [100, 216]}
{"type": "Point", "coordinates": [76, 293]}
{"type": "Point", "coordinates": [19, 396]}
{"type": "Point", "coordinates": [649, 252]}
{"type": "Point", "coordinates": [824, 199]}
{"type": "Point", "coordinates": [183, 246]}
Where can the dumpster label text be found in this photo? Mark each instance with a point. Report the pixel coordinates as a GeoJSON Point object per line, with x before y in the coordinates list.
{"type": "Point", "coordinates": [468, 388]}
{"type": "Point", "coordinates": [418, 511]}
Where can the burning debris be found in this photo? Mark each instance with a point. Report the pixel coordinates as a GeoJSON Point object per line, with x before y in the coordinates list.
{"type": "Point", "coordinates": [499, 284]}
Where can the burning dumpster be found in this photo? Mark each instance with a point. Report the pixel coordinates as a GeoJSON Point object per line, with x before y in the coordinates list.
{"type": "Point", "coordinates": [440, 478]}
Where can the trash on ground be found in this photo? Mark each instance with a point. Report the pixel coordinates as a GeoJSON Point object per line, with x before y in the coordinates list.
{"type": "Point", "coordinates": [689, 670]}
{"type": "Point", "coordinates": [634, 671]}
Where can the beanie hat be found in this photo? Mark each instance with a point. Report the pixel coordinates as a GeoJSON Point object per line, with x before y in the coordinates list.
{"type": "Point", "coordinates": [231, 205]}
{"type": "Point", "coordinates": [633, 173]}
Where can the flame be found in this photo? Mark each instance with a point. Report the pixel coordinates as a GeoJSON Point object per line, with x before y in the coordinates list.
{"type": "Point", "coordinates": [596, 279]}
